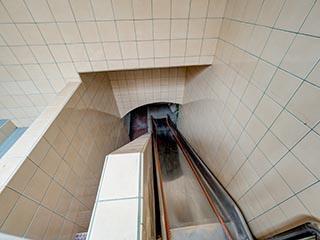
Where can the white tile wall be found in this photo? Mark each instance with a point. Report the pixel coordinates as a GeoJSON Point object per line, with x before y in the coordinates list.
{"type": "Point", "coordinates": [66, 37]}
{"type": "Point", "coordinates": [253, 115]}
{"type": "Point", "coordinates": [139, 87]}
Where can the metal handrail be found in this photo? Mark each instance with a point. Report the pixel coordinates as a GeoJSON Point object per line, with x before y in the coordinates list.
{"type": "Point", "coordinates": [229, 205]}
{"type": "Point", "coordinates": [309, 229]}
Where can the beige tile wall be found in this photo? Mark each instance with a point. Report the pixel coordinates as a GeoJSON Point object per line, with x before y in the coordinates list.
{"type": "Point", "coordinates": [44, 44]}
{"type": "Point", "coordinates": [52, 194]}
{"type": "Point", "coordinates": [139, 87]}
{"type": "Point", "coordinates": [254, 114]}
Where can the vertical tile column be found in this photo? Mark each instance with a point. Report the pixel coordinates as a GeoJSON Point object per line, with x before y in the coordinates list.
{"type": "Point", "coordinates": [120, 210]}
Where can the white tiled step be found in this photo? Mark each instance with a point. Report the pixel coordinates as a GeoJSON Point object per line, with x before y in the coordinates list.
{"type": "Point", "coordinates": [6, 129]}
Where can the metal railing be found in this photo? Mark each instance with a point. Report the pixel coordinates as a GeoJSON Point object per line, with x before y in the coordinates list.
{"type": "Point", "coordinates": [309, 230]}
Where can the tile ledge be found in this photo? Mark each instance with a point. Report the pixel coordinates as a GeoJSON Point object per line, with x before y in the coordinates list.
{"type": "Point", "coordinates": [14, 158]}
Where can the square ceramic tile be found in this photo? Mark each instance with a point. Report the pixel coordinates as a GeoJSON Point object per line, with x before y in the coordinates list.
{"type": "Point", "coordinates": [51, 162]}
{"type": "Point", "coordinates": [307, 150]}
{"type": "Point", "coordinates": [161, 8]}
{"type": "Point", "coordinates": [11, 35]}
{"type": "Point", "coordinates": [38, 185]}
{"type": "Point", "coordinates": [276, 186]}
{"type": "Point", "coordinates": [51, 71]}
{"type": "Point", "coordinates": [255, 129]}
{"type": "Point", "coordinates": [35, 73]}
{"type": "Point", "coordinates": [309, 26]}
{"type": "Point", "coordinates": [52, 195]}
{"type": "Point", "coordinates": [126, 30]}
{"type": "Point", "coordinates": [82, 10]}
{"type": "Point", "coordinates": [144, 30]}
{"type": "Point", "coordinates": [180, 8]}
{"type": "Point", "coordinates": [177, 48]}
{"type": "Point", "coordinates": [115, 219]}
{"type": "Point", "coordinates": [30, 33]}
{"type": "Point", "coordinates": [18, 11]}
{"type": "Point", "coordinates": [70, 32]}
{"type": "Point", "coordinates": [129, 50]}
{"type": "Point", "coordinates": [179, 28]}
{"type": "Point", "coordinates": [22, 214]}
{"type": "Point", "coordinates": [122, 9]}
{"type": "Point", "coordinates": [282, 87]}
{"type": "Point", "coordinates": [269, 12]}
{"type": "Point", "coordinates": [39, 224]}
{"type": "Point", "coordinates": [60, 53]}
{"type": "Point", "coordinates": [145, 49]}
{"type": "Point", "coordinates": [304, 104]}
{"type": "Point", "coordinates": [114, 185]}
{"type": "Point", "coordinates": [54, 226]}
{"type": "Point", "coordinates": [294, 173]}
{"type": "Point", "coordinates": [161, 29]}
{"type": "Point", "coordinates": [208, 47]}
{"type": "Point", "coordinates": [107, 31]}
{"type": "Point", "coordinates": [252, 11]}
{"type": "Point", "coordinates": [293, 209]}
{"type": "Point", "coordinates": [283, 129]}
{"type": "Point", "coordinates": [67, 70]}
{"type": "Point", "coordinates": [142, 9]}
{"type": "Point", "coordinates": [4, 15]}
{"type": "Point", "coordinates": [17, 72]}
{"type": "Point", "coordinates": [272, 148]}
{"type": "Point", "coordinates": [198, 8]}
{"type": "Point", "coordinates": [112, 50]}
{"type": "Point", "coordinates": [95, 51]}
{"type": "Point", "coordinates": [61, 10]}
{"type": "Point", "coordinates": [42, 54]}
{"type": "Point", "coordinates": [50, 33]}
{"type": "Point", "coordinates": [276, 46]}
{"type": "Point", "coordinates": [8, 199]}
{"type": "Point", "coordinates": [161, 48]}
{"type": "Point", "coordinates": [314, 76]}
{"type": "Point", "coordinates": [309, 199]}
{"type": "Point", "coordinates": [102, 9]}
{"type": "Point", "coordinates": [263, 74]}
{"type": "Point", "coordinates": [40, 10]}
{"type": "Point", "coordinates": [293, 14]}
{"type": "Point", "coordinates": [301, 46]}
{"type": "Point", "coordinates": [259, 162]}
{"type": "Point", "coordinates": [89, 31]}
{"type": "Point", "coordinates": [267, 110]}
{"type": "Point", "coordinates": [252, 96]}
{"type": "Point", "coordinates": [23, 176]}
{"type": "Point", "coordinates": [196, 28]}
{"type": "Point", "coordinates": [258, 40]}
{"type": "Point", "coordinates": [78, 52]}
{"type": "Point", "coordinates": [212, 28]}
{"type": "Point", "coordinates": [193, 47]}
{"type": "Point", "coordinates": [7, 56]}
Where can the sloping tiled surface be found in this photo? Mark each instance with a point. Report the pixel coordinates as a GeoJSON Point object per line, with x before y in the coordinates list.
{"type": "Point", "coordinates": [254, 114]}
{"type": "Point", "coordinates": [51, 195]}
